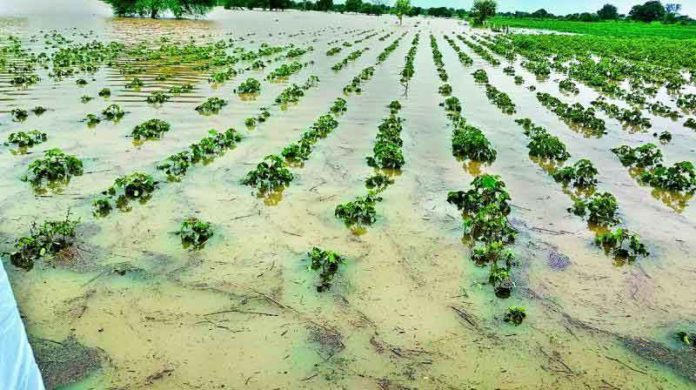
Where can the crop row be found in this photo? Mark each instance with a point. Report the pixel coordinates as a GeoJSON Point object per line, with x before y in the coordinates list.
{"type": "Point", "coordinates": [387, 158]}
{"type": "Point", "coordinates": [600, 208]}
{"type": "Point", "coordinates": [408, 71]}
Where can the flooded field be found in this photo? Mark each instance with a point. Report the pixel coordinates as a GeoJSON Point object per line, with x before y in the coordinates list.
{"type": "Point", "coordinates": [128, 306]}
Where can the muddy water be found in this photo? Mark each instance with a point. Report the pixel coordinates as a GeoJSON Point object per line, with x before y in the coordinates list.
{"type": "Point", "coordinates": [409, 308]}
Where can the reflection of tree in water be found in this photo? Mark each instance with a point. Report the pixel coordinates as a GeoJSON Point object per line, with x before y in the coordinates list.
{"type": "Point", "coordinates": [677, 201]}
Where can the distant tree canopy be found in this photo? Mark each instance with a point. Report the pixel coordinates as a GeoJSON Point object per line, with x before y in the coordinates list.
{"type": "Point", "coordinates": [482, 10]}
{"type": "Point", "coordinates": [401, 8]}
{"type": "Point", "coordinates": [608, 12]}
{"type": "Point", "coordinates": [648, 12]}
{"type": "Point", "coordinates": [155, 8]}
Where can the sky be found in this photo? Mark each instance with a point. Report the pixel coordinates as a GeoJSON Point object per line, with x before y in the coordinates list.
{"type": "Point", "coordinates": [29, 7]}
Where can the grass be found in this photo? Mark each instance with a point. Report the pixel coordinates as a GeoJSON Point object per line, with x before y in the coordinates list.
{"type": "Point", "coordinates": [622, 29]}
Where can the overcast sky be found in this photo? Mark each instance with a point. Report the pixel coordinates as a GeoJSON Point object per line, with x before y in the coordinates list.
{"type": "Point", "coordinates": [29, 7]}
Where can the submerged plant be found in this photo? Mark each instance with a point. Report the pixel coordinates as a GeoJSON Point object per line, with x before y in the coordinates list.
{"type": "Point", "coordinates": [642, 156]}
{"type": "Point", "coordinates": [339, 106]}
{"type": "Point", "coordinates": [105, 92]}
{"type": "Point", "coordinates": [581, 174]}
{"type": "Point", "coordinates": [26, 139]}
{"type": "Point", "coordinates": [45, 240]}
{"type": "Point", "coordinates": [622, 244]}
{"type": "Point", "coordinates": [19, 114]}
{"type": "Point", "coordinates": [211, 106]}
{"type": "Point", "coordinates": [195, 233]}
{"type": "Point", "coordinates": [681, 176]}
{"type": "Point", "coordinates": [249, 86]}
{"type": "Point", "coordinates": [151, 129]}
{"type": "Point", "coordinates": [688, 339]}
{"type": "Point", "coordinates": [326, 263]}
{"type": "Point", "coordinates": [470, 143]}
{"type": "Point", "coordinates": [136, 185]}
{"type": "Point", "coordinates": [270, 175]}
{"type": "Point", "coordinates": [360, 212]}
{"type": "Point", "coordinates": [601, 209]}
{"type": "Point", "coordinates": [55, 166]}
{"type": "Point", "coordinates": [547, 146]}
{"type": "Point", "coordinates": [113, 112]}
{"type": "Point", "coordinates": [158, 97]}
{"type": "Point", "coordinates": [501, 280]}
{"type": "Point", "coordinates": [515, 315]}
{"type": "Point", "coordinates": [378, 182]}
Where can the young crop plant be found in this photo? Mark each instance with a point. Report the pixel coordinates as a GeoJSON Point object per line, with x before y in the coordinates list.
{"type": "Point", "coordinates": [409, 70]}
{"type": "Point", "coordinates": [501, 279]}
{"type": "Point", "coordinates": [601, 209]}
{"type": "Point", "coordinates": [470, 143]}
{"type": "Point", "coordinates": [378, 182]}
{"type": "Point", "coordinates": [47, 239]}
{"type": "Point", "coordinates": [546, 146]}
{"type": "Point", "coordinates": [56, 167]}
{"type": "Point", "coordinates": [575, 115]}
{"type": "Point", "coordinates": [492, 252]}
{"type": "Point", "coordinates": [158, 97]}
{"type": "Point", "coordinates": [351, 57]}
{"type": "Point", "coordinates": [687, 339]}
{"type": "Point", "coordinates": [19, 114]}
{"type": "Point", "coordinates": [135, 186]}
{"type": "Point", "coordinates": [355, 85]}
{"type": "Point", "coordinates": [480, 76]}
{"type": "Point", "coordinates": [24, 140]}
{"type": "Point", "coordinates": [327, 264]}
{"type": "Point", "coordinates": [135, 83]}
{"type": "Point", "coordinates": [195, 233]}
{"type": "Point", "coordinates": [38, 110]}
{"type": "Point", "coordinates": [464, 59]}
{"type": "Point", "coordinates": [270, 175]}
{"type": "Point", "coordinates": [569, 86]}
{"type": "Point", "coordinates": [339, 106]}
{"type": "Point", "coordinates": [582, 174]}
{"type": "Point", "coordinates": [151, 129]}
{"type": "Point", "coordinates": [644, 156]}
{"type": "Point", "coordinates": [681, 177]}
{"type": "Point", "coordinates": [211, 106]}
{"type": "Point", "coordinates": [249, 87]}
{"type": "Point", "coordinates": [387, 152]}
{"type": "Point", "coordinates": [452, 105]}
{"type": "Point", "coordinates": [333, 51]}
{"type": "Point", "coordinates": [360, 212]}
{"type": "Point", "coordinates": [86, 99]}
{"type": "Point", "coordinates": [113, 112]}
{"type": "Point", "coordinates": [105, 93]}
{"type": "Point", "coordinates": [515, 315]}
{"type": "Point", "coordinates": [500, 99]}
{"type": "Point", "coordinates": [284, 71]}
{"type": "Point", "coordinates": [445, 90]}
{"type": "Point", "coordinates": [690, 123]}
{"type": "Point", "coordinates": [623, 245]}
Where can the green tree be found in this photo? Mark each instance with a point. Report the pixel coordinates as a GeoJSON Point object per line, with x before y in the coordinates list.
{"type": "Point", "coordinates": [353, 5]}
{"type": "Point", "coordinates": [401, 8]}
{"type": "Point", "coordinates": [324, 5]}
{"type": "Point", "coordinates": [648, 12]}
{"type": "Point", "coordinates": [608, 12]}
{"type": "Point", "coordinates": [482, 10]}
{"type": "Point", "coordinates": [154, 8]}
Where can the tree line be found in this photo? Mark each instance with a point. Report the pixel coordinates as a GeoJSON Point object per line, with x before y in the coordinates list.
{"type": "Point", "coordinates": [650, 11]}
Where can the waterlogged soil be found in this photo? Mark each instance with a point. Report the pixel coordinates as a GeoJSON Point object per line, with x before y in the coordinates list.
{"type": "Point", "coordinates": [409, 310]}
